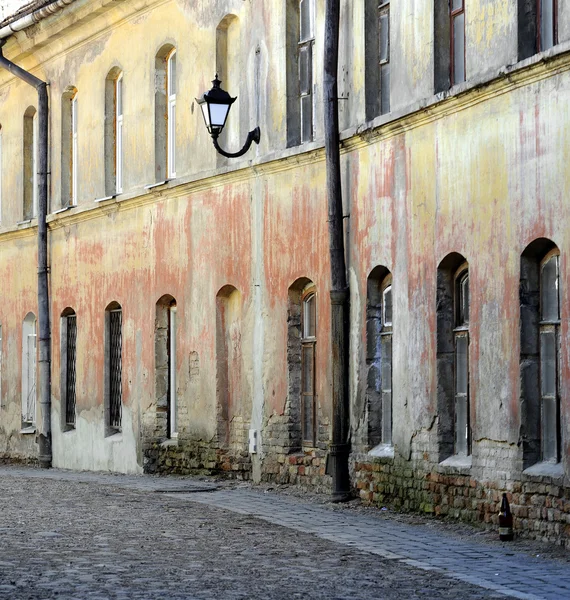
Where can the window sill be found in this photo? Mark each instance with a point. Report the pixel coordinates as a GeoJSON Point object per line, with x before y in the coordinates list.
{"type": "Point", "coordinates": [31, 429]}
{"type": "Point", "coordinates": [151, 186]}
{"type": "Point", "coordinates": [545, 469]}
{"type": "Point", "coordinates": [113, 437]}
{"type": "Point", "coordinates": [458, 464]}
{"type": "Point", "coordinates": [105, 198]}
{"type": "Point", "coordinates": [382, 451]}
{"type": "Point", "coordinates": [56, 212]}
{"type": "Point", "coordinates": [169, 442]}
{"type": "Point", "coordinates": [68, 428]}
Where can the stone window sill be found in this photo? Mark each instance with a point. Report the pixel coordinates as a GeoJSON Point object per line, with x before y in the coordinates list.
{"type": "Point", "coordinates": [115, 437]}
{"type": "Point", "coordinates": [169, 442]}
{"type": "Point", "coordinates": [458, 464]}
{"type": "Point", "coordinates": [382, 451]}
{"type": "Point", "coordinates": [545, 470]}
{"type": "Point", "coordinates": [28, 430]}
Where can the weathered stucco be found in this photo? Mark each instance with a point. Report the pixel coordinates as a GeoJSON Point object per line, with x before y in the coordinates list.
{"type": "Point", "coordinates": [480, 171]}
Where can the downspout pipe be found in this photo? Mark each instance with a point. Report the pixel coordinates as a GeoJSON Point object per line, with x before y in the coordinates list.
{"type": "Point", "coordinates": [340, 293]}
{"type": "Point", "coordinates": [44, 343]}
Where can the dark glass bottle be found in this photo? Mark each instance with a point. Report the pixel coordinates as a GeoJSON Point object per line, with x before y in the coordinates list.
{"type": "Point", "coordinates": [505, 521]}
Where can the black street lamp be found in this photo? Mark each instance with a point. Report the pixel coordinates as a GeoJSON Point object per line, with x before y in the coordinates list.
{"type": "Point", "coordinates": [215, 106]}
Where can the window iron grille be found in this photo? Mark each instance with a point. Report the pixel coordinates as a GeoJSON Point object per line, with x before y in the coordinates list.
{"type": "Point", "coordinates": [71, 348]}
{"type": "Point", "coordinates": [115, 369]}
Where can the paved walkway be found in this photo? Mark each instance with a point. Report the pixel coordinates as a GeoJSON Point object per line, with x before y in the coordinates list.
{"type": "Point", "coordinates": [496, 568]}
{"type": "Point", "coordinates": [499, 569]}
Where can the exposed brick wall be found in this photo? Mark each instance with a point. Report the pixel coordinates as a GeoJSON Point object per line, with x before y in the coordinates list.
{"type": "Point", "coordinates": [538, 503]}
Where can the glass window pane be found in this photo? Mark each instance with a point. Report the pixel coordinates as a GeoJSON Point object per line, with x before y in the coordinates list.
{"type": "Point", "coordinates": [549, 290]}
{"type": "Point", "coordinates": [458, 25]}
{"type": "Point", "coordinates": [550, 429]}
{"type": "Point", "coordinates": [119, 93]}
{"type": "Point", "coordinates": [385, 88]}
{"type": "Point", "coordinates": [457, 4]}
{"type": "Point", "coordinates": [308, 418]}
{"type": "Point", "coordinates": [306, 118]}
{"type": "Point", "coordinates": [548, 362]}
{"type": "Point", "coordinates": [461, 364]}
{"type": "Point", "coordinates": [386, 417]}
{"type": "Point", "coordinates": [305, 69]}
{"type": "Point", "coordinates": [546, 24]}
{"type": "Point", "coordinates": [308, 368]}
{"type": "Point", "coordinates": [461, 425]}
{"type": "Point", "coordinates": [306, 25]}
{"type": "Point", "coordinates": [384, 30]}
{"type": "Point", "coordinates": [387, 306]}
{"type": "Point", "coordinates": [386, 363]}
{"type": "Point", "coordinates": [172, 74]}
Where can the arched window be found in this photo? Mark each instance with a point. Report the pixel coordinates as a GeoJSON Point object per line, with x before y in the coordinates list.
{"type": "Point", "coordinates": [68, 367]}
{"type": "Point", "coordinates": [228, 361]}
{"type": "Point", "coordinates": [540, 317]}
{"type": "Point", "coordinates": [165, 113]}
{"type": "Point", "coordinates": [69, 148]}
{"type": "Point", "coordinates": [29, 372]}
{"type": "Point", "coordinates": [114, 132]}
{"type": "Point", "coordinates": [30, 163]}
{"type": "Point", "coordinates": [113, 368]}
{"type": "Point", "coordinates": [453, 306]}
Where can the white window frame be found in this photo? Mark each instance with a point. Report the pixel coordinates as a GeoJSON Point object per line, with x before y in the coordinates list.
{"type": "Point", "coordinates": [171, 116]}
{"type": "Point", "coordinates": [74, 150]}
{"type": "Point", "coordinates": [35, 165]}
{"type": "Point", "coordinates": [119, 134]}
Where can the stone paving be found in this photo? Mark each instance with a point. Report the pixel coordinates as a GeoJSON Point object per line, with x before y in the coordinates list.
{"type": "Point", "coordinates": [94, 536]}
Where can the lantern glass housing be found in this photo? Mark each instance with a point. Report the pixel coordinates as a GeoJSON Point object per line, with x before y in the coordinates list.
{"type": "Point", "coordinates": [215, 106]}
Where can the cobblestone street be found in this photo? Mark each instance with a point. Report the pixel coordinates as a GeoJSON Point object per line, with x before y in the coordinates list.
{"type": "Point", "coordinates": [96, 536]}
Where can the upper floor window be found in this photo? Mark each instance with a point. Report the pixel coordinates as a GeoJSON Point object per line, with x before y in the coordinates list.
{"type": "Point", "coordinates": [457, 41]}
{"type": "Point", "coordinates": [300, 42]}
{"type": "Point", "coordinates": [30, 163]}
{"type": "Point", "coordinates": [165, 113]}
{"type": "Point", "coordinates": [377, 29]}
{"type": "Point", "coordinates": [69, 140]}
{"type": "Point", "coordinates": [537, 26]}
{"type": "Point", "coordinates": [306, 43]}
{"type": "Point", "coordinates": [114, 132]}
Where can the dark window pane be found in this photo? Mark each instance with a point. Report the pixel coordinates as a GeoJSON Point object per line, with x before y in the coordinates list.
{"type": "Point", "coordinates": [548, 362]}
{"type": "Point", "coordinates": [306, 118]}
{"type": "Point", "coordinates": [310, 317]}
{"type": "Point", "coordinates": [71, 344]}
{"type": "Point", "coordinates": [115, 368]}
{"type": "Point", "coordinates": [461, 364]}
{"type": "Point", "coordinates": [458, 26]}
{"type": "Point", "coordinates": [457, 4]}
{"type": "Point", "coordinates": [549, 290]}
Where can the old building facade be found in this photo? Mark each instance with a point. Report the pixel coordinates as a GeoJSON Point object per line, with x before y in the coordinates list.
{"type": "Point", "coordinates": [190, 293]}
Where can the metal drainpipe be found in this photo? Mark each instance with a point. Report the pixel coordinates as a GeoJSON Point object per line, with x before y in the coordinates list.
{"type": "Point", "coordinates": [340, 294]}
{"type": "Point", "coordinates": [44, 345]}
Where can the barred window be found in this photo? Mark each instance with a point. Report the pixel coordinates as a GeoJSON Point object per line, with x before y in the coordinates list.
{"type": "Point", "coordinates": [113, 368]}
{"type": "Point", "coordinates": [68, 367]}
